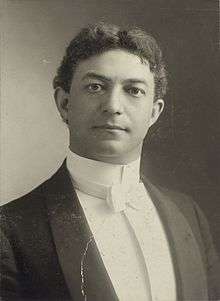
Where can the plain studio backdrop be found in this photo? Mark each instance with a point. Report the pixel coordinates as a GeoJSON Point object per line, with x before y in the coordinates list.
{"type": "Point", "coordinates": [181, 151]}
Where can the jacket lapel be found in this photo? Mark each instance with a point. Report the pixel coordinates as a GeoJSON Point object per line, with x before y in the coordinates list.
{"type": "Point", "coordinates": [68, 230]}
{"type": "Point", "coordinates": [77, 252]}
{"type": "Point", "coordinates": [184, 243]}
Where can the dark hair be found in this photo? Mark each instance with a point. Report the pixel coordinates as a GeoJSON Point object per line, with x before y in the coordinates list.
{"type": "Point", "coordinates": [98, 38]}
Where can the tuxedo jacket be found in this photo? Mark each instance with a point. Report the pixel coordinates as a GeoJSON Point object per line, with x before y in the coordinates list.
{"type": "Point", "coordinates": [44, 235]}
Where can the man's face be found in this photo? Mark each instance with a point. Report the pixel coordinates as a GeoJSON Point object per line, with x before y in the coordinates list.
{"type": "Point", "coordinates": [110, 107]}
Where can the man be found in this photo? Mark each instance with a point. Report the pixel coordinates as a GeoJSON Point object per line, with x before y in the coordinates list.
{"type": "Point", "coordinates": [95, 230]}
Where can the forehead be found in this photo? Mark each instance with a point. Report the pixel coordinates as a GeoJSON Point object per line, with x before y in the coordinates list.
{"type": "Point", "coordinates": [115, 64]}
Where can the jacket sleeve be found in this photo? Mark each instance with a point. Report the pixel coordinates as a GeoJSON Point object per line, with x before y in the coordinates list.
{"type": "Point", "coordinates": [212, 259]}
{"type": "Point", "coordinates": [9, 288]}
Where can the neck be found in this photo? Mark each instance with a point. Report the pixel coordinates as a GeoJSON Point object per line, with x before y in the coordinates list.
{"type": "Point", "coordinates": [102, 172]}
{"type": "Point", "coordinates": [111, 159]}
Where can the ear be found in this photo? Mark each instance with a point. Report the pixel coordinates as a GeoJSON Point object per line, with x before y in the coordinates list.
{"type": "Point", "coordinates": [157, 109]}
{"type": "Point", "coordinates": [62, 99]}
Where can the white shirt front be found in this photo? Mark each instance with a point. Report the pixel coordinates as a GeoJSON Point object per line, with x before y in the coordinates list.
{"type": "Point", "coordinates": [113, 233]}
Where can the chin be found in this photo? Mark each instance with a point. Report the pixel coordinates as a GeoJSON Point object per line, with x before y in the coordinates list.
{"type": "Point", "coordinates": [114, 153]}
{"type": "Point", "coordinates": [110, 148]}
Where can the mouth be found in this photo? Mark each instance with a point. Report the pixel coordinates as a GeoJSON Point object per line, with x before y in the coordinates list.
{"type": "Point", "coordinates": [110, 127]}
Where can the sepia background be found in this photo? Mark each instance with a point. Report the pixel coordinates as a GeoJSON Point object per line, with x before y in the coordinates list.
{"type": "Point", "coordinates": [181, 151]}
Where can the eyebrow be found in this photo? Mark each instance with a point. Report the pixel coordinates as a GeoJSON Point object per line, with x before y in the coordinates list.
{"type": "Point", "coordinates": [107, 79]}
{"type": "Point", "coordinates": [96, 76]}
{"type": "Point", "coordinates": [137, 81]}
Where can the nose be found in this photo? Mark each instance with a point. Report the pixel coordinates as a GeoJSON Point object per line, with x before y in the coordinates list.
{"type": "Point", "coordinates": [112, 103]}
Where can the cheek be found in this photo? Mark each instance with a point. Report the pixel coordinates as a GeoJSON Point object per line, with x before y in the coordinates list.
{"type": "Point", "coordinates": [80, 104]}
{"type": "Point", "coordinates": [81, 117]}
{"type": "Point", "coordinates": [77, 108]}
{"type": "Point", "coordinates": [143, 114]}
{"type": "Point", "coordinates": [77, 119]}
{"type": "Point", "coordinates": [142, 122]}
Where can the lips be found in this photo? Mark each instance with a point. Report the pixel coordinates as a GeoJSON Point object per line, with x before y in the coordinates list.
{"type": "Point", "coordinates": [110, 127]}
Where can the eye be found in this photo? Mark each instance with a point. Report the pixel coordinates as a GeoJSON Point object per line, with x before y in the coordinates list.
{"type": "Point", "coordinates": [136, 92]}
{"type": "Point", "coordinates": [94, 87]}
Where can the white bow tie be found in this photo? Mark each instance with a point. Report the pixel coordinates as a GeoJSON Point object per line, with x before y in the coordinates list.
{"type": "Point", "coordinates": [117, 196]}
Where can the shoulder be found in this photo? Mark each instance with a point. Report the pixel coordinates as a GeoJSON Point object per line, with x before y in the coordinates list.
{"type": "Point", "coordinates": [172, 203]}
{"type": "Point", "coordinates": [185, 204]}
{"type": "Point", "coordinates": [28, 200]}
{"type": "Point", "coordinates": [169, 197]}
{"type": "Point", "coordinates": [22, 204]}
{"type": "Point", "coordinates": [32, 204]}
{"type": "Point", "coordinates": [22, 213]}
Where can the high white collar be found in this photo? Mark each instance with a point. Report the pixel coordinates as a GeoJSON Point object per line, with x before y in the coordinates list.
{"type": "Point", "coordinates": [101, 173]}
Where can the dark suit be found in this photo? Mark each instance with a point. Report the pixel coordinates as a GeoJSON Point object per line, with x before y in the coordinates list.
{"type": "Point", "coordinates": [44, 235]}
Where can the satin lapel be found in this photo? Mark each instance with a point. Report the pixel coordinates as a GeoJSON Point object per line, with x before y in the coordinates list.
{"type": "Point", "coordinates": [68, 229]}
{"type": "Point", "coordinates": [77, 252]}
{"type": "Point", "coordinates": [189, 268]}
